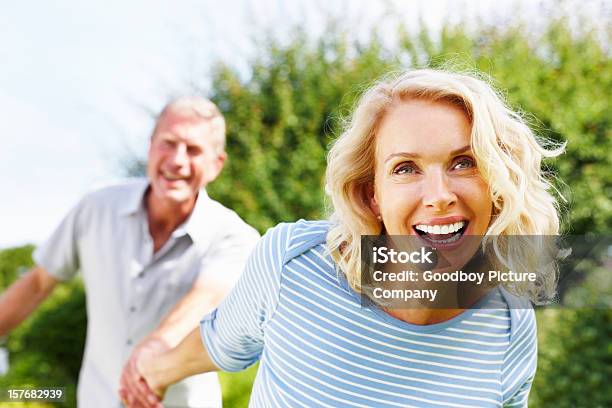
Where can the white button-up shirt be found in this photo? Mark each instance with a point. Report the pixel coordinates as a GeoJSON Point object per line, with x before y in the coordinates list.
{"type": "Point", "coordinates": [130, 289]}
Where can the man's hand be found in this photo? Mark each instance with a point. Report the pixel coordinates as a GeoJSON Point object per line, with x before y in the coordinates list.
{"type": "Point", "coordinates": [133, 389]}
{"type": "Point", "coordinates": [155, 372]}
{"type": "Point", "coordinates": [145, 367]}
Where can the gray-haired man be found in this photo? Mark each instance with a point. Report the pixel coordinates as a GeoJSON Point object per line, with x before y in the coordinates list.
{"type": "Point", "coordinates": [155, 256]}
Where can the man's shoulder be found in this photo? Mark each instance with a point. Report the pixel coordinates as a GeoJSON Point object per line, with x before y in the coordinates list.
{"type": "Point", "coordinates": [117, 194]}
{"type": "Point", "coordinates": [116, 189]}
{"type": "Point", "coordinates": [219, 210]}
{"type": "Point", "coordinates": [212, 217]}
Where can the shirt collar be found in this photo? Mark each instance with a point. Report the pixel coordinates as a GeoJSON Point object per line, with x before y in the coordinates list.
{"type": "Point", "coordinates": [193, 224]}
{"type": "Point", "coordinates": [134, 203]}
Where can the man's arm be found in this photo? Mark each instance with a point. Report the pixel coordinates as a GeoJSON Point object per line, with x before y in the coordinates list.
{"type": "Point", "coordinates": [203, 297]}
{"type": "Point", "coordinates": [220, 270]}
{"type": "Point", "coordinates": [23, 297]}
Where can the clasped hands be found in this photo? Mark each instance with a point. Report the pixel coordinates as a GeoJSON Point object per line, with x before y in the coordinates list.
{"type": "Point", "coordinates": [138, 387]}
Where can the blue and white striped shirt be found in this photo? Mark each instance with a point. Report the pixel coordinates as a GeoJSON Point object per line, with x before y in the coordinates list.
{"type": "Point", "coordinates": [319, 347]}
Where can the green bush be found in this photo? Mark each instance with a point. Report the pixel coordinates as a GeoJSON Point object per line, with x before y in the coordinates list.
{"type": "Point", "coordinates": [575, 348]}
{"type": "Point", "coordinates": [236, 387]}
{"type": "Point", "coordinates": [281, 118]}
{"type": "Point", "coordinates": [12, 262]}
{"type": "Point", "coordinates": [574, 366]}
{"type": "Point", "coordinates": [46, 350]}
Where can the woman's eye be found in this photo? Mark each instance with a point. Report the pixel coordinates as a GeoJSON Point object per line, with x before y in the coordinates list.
{"type": "Point", "coordinates": [464, 163]}
{"type": "Point", "coordinates": [405, 168]}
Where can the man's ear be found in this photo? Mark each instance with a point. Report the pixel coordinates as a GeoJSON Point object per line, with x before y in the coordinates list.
{"type": "Point", "coordinates": [218, 163]}
{"type": "Point", "coordinates": [221, 159]}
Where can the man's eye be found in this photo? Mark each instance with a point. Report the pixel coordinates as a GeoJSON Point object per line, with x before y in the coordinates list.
{"type": "Point", "coordinates": [464, 163]}
{"type": "Point", "coordinates": [194, 150]}
{"type": "Point", "coordinates": [405, 168]}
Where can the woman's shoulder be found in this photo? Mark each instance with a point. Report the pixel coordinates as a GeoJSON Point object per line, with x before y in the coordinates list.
{"type": "Point", "coordinates": [520, 359]}
{"type": "Point", "coordinates": [297, 237]}
{"type": "Point", "coordinates": [522, 316]}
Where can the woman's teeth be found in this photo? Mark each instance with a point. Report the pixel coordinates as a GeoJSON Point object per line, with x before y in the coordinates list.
{"type": "Point", "coordinates": [441, 229]}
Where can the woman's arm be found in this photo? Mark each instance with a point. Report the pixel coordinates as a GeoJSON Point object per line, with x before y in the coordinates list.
{"type": "Point", "coordinates": [188, 358]}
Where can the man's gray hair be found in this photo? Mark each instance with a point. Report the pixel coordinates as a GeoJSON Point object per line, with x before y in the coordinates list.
{"type": "Point", "coordinates": [198, 107]}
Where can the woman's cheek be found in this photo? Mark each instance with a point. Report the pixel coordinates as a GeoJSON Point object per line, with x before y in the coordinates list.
{"type": "Point", "coordinates": [398, 210]}
{"type": "Point", "coordinates": [473, 188]}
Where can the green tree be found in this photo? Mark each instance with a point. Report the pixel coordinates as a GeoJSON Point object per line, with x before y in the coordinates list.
{"type": "Point", "coordinates": [281, 120]}
{"type": "Point", "coordinates": [282, 117]}
{"type": "Point", "coordinates": [47, 348]}
{"type": "Point", "coordinates": [574, 348]}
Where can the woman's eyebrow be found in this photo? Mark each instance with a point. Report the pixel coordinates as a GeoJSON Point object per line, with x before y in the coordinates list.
{"type": "Point", "coordinates": [402, 154]}
{"type": "Point", "coordinates": [461, 150]}
{"type": "Point", "coordinates": [416, 156]}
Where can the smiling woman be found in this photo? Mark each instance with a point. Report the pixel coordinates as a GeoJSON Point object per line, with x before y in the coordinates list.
{"type": "Point", "coordinates": [443, 152]}
{"type": "Point", "coordinates": [435, 156]}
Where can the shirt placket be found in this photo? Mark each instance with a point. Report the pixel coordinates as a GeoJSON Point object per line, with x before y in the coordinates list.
{"type": "Point", "coordinates": [143, 276]}
{"type": "Point", "coordinates": [139, 279]}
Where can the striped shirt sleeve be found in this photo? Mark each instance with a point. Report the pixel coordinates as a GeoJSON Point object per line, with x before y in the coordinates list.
{"type": "Point", "coordinates": [233, 333]}
{"type": "Point", "coordinates": [520, 361]}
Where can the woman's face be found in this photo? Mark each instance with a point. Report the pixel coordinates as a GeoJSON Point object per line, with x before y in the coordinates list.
{"type": "Point", "coordinates": [426, 181]}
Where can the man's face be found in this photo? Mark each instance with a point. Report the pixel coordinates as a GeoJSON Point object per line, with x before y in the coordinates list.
{"type": "Point", "coordinates": [183, 158]}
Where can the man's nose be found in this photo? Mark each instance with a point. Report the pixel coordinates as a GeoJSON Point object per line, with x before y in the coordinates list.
{"type": "Point", "coordinates": [179, 155]}
{"type": "Point", "coordinates": [438, 193]}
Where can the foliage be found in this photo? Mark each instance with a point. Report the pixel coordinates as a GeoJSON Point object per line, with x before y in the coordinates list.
{"type": "Point", "coordinates": [46, 349]}
{"type": "Point", "coordinates": [12, 262]}
{"type": "Point", "coordinates": [283, 115]}
{"type": "Point", "coordinates": [236, 387]}
{"type": "Point", "coordinates": [280, 122]}
{"type": "Point", "coordinates": [575, 359]}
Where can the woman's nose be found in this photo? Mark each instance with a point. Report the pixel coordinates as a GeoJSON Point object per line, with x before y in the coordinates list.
{"type": "Point", "coordinates": [438, 194]}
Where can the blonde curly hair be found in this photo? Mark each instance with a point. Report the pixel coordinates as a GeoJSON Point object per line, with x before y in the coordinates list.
{"type": "Point", "coordinates": [508, 156]}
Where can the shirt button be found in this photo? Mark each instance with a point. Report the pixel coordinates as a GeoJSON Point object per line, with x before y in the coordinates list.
{"type": "Point", "coordinates": [133, 309]}
{"type": "Point", "coordinates": [129, 342]}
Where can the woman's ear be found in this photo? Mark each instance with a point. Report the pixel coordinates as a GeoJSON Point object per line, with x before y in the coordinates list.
{"type": "Point", "coordinates": [373, 204]}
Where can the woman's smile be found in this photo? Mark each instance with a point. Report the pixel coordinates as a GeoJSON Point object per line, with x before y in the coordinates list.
{"type": "Point", "coordinates": [442, 233]}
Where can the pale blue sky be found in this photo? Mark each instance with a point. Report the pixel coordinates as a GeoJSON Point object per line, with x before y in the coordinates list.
{"type": "Point", "coordinates": [73, 74]}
